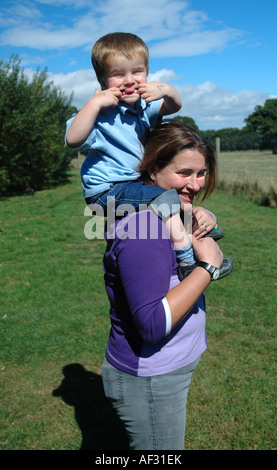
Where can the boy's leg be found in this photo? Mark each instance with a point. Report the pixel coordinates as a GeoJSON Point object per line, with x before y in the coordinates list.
{"type": "Point", "coordinates": [215, 233]}
{"type": "Point", "coordinates": [127, 194]}
{"type": "Point", "coordinates": [180, 238]}
{"type": "Point", "coordinates": [167, 206]}
{"type": "Point", "coordinates": [224, 270]}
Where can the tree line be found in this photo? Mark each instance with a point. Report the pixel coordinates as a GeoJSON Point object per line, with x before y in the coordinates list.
{"type": "Point", "coordinates": [259, 132]}
{"type": "Point", "coordinates": [33, 113]}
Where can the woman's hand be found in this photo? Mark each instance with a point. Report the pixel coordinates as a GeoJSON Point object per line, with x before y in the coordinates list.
{"type": "Point", "coordinates": [203, 222]}
{"type": "Point", "coordinates": [207, 250]}
{"type": "Point", "coordinates": [182, 297]}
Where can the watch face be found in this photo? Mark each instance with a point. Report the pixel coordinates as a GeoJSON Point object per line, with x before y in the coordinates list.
{"type": "Point", "coordinates": [216, 274]}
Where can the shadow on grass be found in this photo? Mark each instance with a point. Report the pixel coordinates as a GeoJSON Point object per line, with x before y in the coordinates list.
{"type": "Point", "coordinates": [98, 423]}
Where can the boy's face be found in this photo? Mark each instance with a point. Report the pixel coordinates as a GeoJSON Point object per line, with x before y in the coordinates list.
{"type": "Point", "coordinates": [125, 74]}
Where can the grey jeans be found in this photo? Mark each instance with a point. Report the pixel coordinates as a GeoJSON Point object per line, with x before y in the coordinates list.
{"type": "Point", "coordinates": [152, 409]}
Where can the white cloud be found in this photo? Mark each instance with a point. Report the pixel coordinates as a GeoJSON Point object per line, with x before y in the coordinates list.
{"type": "Point", "coordinates": [17, 13]}
{"type": "Point", "coordinates": [82, 83]}
{"type": "Point", "coordinates": [163, 75]}
{"type": "Point", "coordinates": [150, 19]}
{"type": "Point", "coordinates": [43, 38]}
{"type": "Point", "coordinates": [175, 28]}
{"type": "Point", "coordinates": [213, 107]}
{"type": "Point", "coordinates": [194, 43]}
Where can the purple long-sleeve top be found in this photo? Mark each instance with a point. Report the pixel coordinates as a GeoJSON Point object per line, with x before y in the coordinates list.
{"type": "Point", "coordinates": [140, 268]}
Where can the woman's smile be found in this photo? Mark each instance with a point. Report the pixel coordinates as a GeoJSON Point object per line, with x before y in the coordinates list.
{"type": "Point", "coordinates": [185, 197]}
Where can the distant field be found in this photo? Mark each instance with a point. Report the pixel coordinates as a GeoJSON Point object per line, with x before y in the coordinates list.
{"type": "Point", "coordinates": [251, 167]}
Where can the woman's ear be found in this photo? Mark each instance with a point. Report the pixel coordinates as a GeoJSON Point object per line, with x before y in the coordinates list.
{"type": "Point", "coordinates": [152, 175]}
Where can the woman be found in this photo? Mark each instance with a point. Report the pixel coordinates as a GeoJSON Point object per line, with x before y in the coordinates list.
{"type": "Point", "coordinates": [157, 322]}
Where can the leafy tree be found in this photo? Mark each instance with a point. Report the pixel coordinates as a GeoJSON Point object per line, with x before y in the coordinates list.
{"type": "Point", "coordinates": [264, 118]}
{"type": "Point", "coordinates": [33, 113]}
{"type": "Point", "coordinates": [264, 122]}
{"type": "Point", "coordinates": [187, 120]}
{"type": "Point", "coordinates": [232, 139]}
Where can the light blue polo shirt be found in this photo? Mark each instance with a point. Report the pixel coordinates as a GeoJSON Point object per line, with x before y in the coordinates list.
{"type": "Point", "coordinates": [114, 145]}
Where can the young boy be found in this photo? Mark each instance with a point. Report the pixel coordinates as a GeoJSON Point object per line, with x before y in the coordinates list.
{"type": "Point", "coordinates": [111, 125]}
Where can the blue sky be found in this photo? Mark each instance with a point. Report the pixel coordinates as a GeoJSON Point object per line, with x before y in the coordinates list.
{"type": "Point", "coordinates": [220, 55]}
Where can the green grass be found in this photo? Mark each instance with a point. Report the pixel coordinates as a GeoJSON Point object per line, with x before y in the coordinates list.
{"type": "Point", "coordinates": [54, 312]}
{"type": "Point", "coordinates": [232, 404]}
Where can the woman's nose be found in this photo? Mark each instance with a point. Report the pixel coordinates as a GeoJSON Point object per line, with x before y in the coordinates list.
{"type": "Point", "coordinates": [193, 183]}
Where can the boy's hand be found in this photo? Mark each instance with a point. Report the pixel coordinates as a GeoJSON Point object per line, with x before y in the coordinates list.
{"type": "Point", "coordinates": [153, 91]}
{"type": "Point", "coordinates": [107, 98]}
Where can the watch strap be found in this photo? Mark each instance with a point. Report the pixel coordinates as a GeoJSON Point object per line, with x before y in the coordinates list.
{"type": "Point", "coordinates": [209, 267]}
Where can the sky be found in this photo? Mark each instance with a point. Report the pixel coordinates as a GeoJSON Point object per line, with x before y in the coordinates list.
{"type": "Point", "coordinates": [219, 55]}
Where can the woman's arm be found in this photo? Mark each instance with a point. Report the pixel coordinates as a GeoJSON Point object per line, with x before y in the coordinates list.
{"type": "Point", "coordinates": [182, 297]}
{"type": "Point", "coordinates": [146, 266]}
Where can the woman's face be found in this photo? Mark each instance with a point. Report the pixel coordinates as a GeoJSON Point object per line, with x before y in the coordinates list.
{"type": "Point", "coordinates": [185, 173]}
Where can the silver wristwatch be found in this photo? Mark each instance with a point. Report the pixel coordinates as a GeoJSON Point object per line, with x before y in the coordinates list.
{"type": "Point", "coordinates": [214, 272]}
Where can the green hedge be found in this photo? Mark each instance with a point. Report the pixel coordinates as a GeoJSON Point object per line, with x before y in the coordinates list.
{"type": "Point", "coordinates": [33, 113]}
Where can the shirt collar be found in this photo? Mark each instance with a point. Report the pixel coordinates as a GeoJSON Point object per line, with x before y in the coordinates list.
{"type": "Point", "coordinates": [139, 108]}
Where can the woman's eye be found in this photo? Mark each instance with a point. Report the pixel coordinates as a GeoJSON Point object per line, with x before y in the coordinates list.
{"type": "Point", "coordinates": [189, 173]}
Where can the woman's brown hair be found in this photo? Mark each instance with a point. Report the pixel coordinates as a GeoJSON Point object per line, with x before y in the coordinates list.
{"type": "Point", "coordinates": [163, 142]}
